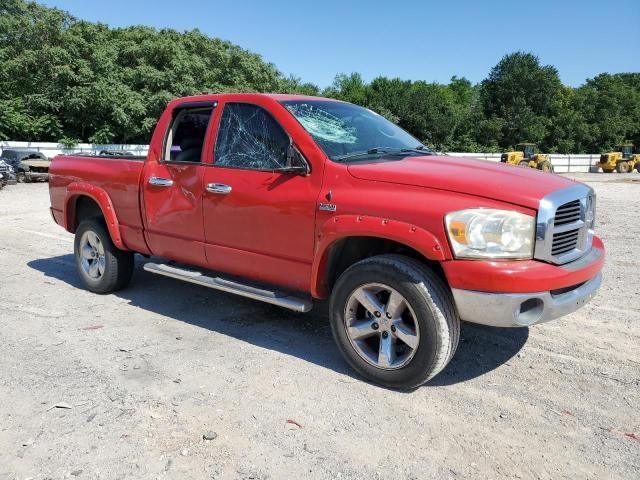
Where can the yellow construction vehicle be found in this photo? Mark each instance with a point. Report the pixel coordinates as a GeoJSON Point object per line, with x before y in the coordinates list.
{"type": "Point", "coordinates": [525, 156]}
{"type": "Point", "coordinates": [622, 160]}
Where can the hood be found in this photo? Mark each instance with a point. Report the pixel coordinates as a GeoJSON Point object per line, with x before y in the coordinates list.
{"type": "Point", "coordinates": [36, 162]}
{"type": "Point", "coordinates": [482, 178]}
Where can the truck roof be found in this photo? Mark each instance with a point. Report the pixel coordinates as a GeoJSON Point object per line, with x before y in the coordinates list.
{"type": "Point", "coordinates": [247, 97]}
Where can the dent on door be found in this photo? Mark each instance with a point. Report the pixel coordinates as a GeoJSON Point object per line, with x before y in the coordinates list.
{"type": "Point", "coordinates": [174, 195]}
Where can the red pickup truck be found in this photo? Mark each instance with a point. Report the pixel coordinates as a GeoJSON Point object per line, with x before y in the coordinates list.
{"type": "Point", "coordinates": [287, 199]}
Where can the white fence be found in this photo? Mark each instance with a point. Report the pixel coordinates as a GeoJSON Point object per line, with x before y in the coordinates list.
{"type": "Point", "coordinates": [561, 163]}
{"type": "Point", "coordinates": [52, 149]}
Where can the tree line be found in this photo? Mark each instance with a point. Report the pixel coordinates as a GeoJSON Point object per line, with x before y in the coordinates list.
{"type": "Point", "coordinates": [68, 80]}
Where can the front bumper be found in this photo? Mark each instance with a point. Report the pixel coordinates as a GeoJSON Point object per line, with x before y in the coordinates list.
{"type": "Point", "coordinates": [507, 294]}
{"type": "Point", "coordinates": [523, 309]}
{"type": "Point", "coordinates": [36, 176]}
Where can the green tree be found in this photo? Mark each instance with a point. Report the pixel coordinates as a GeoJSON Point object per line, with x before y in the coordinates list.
{"type": "Point", "coordinates": [523, 95]}
{"type": "Point", "coordinates": [609, 106]}
{"type": "Point", "coordinates": [63, 78]}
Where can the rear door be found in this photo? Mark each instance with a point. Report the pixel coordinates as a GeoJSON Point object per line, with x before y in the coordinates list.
{"type": "Point", "coordinates": [259, 221]}
{"type": "Point", "coordinates": [172, 187]}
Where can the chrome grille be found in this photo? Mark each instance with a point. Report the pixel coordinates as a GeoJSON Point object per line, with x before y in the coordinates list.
{"type": "Point", "coordinates": [564, 228]}
{"type": "Point", "coordinates": [568, 213]}
{"type": "Point", "coordinates": [565, 242]}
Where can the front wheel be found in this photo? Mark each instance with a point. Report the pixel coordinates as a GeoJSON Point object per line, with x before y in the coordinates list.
{"type": "Point", "coordinates": [545, 166]}
{"type": "Point", "coordinates": [21, 177]}
{"type": "Point", "coordinates": [622, 167]}
{"type": "Point", "coordinates": [394, 321]}
{"type": "Point", "coordinates": [102, 267]}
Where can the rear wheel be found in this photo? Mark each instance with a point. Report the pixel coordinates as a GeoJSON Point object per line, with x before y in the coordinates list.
{"type": "Point", "coordinates": [523, 163]}
{"type": "Point", "coordinates": [102, 267]}
{"type": "Point", "coordinates": [394, 321]}
{"type": "Point", "coordinates": [622, 167]}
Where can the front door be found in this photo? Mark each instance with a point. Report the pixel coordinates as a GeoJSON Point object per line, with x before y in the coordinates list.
{"type": "Point", "coordinates": [258, 221]}
{"type": "Point", "coordinates": [173, 188]}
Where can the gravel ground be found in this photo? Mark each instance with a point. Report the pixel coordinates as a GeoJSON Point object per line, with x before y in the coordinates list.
{"type": "Point", "coordinates": [126, 385]}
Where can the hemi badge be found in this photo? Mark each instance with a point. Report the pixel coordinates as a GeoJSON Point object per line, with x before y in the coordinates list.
{"type": "Point", "coordinates": [327, 207]}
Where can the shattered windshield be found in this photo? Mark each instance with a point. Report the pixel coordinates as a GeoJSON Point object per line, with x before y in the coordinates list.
{"type": "Point", "coordinates": [347, 132]}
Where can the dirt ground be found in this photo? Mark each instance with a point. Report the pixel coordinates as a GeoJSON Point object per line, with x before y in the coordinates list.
{"type": "Point", "coordinates": [126, 385]}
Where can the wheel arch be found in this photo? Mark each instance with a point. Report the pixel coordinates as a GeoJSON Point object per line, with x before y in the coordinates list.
{"type": "Point", "coordinates": [86, 201]}
{"type": "Point", "coordinates": [345, 240]}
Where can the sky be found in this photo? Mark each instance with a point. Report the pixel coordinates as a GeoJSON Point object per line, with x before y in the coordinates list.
{"type": "Point", "coordinates": [411, 39]}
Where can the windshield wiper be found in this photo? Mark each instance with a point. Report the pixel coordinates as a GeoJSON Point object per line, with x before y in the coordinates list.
{"type": "Point", "coordinates": [421, 149]}
{"type": "Point", "coordinates": [371, 151]}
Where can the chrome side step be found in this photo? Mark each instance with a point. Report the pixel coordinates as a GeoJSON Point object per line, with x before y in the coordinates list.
{"type": "Point", "coordinates": [280, 299]}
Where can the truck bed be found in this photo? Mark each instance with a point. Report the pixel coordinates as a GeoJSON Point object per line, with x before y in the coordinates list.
{"type": "Point", "coordinates": [118, 176]}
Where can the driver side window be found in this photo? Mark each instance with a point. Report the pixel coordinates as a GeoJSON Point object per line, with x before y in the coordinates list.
{"type": "Point", "coordinates": [186, 136]}
{"type": "Point", "coordinates": [250, 138]}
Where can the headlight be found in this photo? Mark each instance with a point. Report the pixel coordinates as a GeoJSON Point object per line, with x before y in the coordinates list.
{"type": "Point", "coordinates": [489, 233]}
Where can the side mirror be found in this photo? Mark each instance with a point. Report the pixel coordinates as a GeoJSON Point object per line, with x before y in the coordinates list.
{"type": "Point", "coordinates": [295, 163]}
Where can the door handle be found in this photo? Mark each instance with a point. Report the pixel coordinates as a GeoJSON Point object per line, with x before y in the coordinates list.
{"type": "Point", "coordinates": [160, 182]}
{"type": "Point", "coordinates": [219, 188]}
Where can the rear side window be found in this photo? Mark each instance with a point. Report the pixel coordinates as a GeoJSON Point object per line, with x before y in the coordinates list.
{"type": "Point", "coordinates": [250, 138]}
{"type": "Point", "coordinates": [186, 135]}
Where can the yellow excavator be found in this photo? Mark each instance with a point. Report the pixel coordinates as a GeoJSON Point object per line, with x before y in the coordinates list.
{"type": "Point", "coordinates": [525, 156]}
{"type": "Point", "coordinates": [623, 160]}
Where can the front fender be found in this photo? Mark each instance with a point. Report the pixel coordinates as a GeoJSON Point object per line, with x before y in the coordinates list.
{"type": "Point", "coordinates": [101, 197]}
{"type": "Point", "coordinates": [343, 226]}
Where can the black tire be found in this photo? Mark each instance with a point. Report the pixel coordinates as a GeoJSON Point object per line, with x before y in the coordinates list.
{"type": "Point", "coordinates": [430, 299]}
{"type": "Point", "coordinates": [622, 167]}
{"type": "Point", "coordinates": [523, 163]}
{"type": "Point", "coordinates": [545, 166]}
{"type": "Point", "coordinates": [638, 166]}
{"type": "Point", "coordinates": [118, 264]}
{"type": "Point", "coordinates": [21, 177]}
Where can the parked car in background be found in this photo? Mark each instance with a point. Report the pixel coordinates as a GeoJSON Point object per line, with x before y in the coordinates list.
{"type": "Point", "coordinates": [29, 165]}
{"type": "Point", "coordinates": [287, 199]}
{"type": "Point", "coordinates": [115, 153]}
{"type": "Point", "coordinates": [8, 174]}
